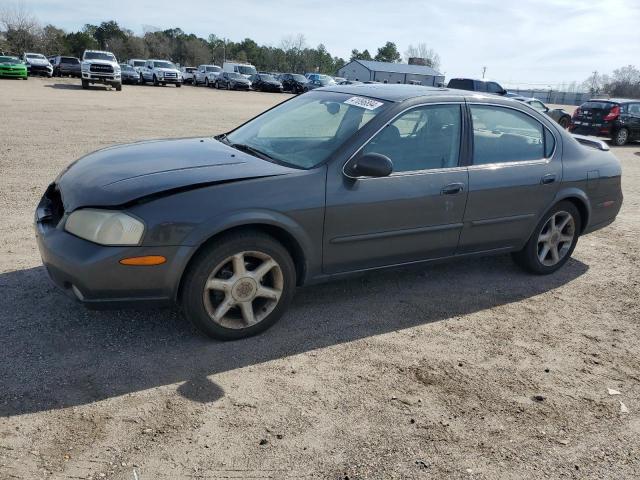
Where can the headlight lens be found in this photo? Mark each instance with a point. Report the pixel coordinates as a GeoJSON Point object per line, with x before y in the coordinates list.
{"type": "Point", "coordinates": [106, 227]}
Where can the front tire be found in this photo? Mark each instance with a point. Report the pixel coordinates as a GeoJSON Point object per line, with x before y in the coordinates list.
{"type": "Point", "coordinates": [239, 286]}
{"type": "Point", "coordinates": [206, 82]}
{"type": "Point", "coordinates": [155, 81]}
{"type": "Point", "coordinates": [621, 137]}
{"type": "Point", "coordinates": [553, 241]}
{"type": "Point", "coordinates": [564, 122]}
{"type": "Point", "coordinates": [119, 87]}
{"type": "Point", "coordinates": [85, 84]}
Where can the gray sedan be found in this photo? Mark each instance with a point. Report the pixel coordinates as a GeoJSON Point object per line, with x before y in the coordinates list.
{"type": "Point", "coordinates": [339, 180]}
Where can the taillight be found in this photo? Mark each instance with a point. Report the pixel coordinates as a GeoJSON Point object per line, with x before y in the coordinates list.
{"type": "Point", "coordinates": [613, 113]}
{"type": "Point", "coordinates": [577, 112]}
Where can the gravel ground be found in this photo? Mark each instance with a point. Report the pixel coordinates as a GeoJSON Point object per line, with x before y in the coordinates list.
{"type": "Point", "coordinates": [463, 370]}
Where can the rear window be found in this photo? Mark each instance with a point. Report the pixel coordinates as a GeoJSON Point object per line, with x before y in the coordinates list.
{"type": "Point", "coordinates": [461, 84]}
{"type": "Point", "coordinates": [593, 105]}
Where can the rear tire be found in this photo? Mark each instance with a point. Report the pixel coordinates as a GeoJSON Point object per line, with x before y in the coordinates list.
{"type": "Point", "coordinates": [564, 122]}
{"type": "Point", "coordinates": [203, 303]}
{"type": "Point", "coordinates": [553, 240]}
{"type": "Point", "coordinates": [621, 137]}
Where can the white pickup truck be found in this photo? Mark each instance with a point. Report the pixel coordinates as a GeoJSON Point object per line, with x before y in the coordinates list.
{"type": "Point", "coordinates": [161, 72]}
{"type": "Point", "coordinates": [100, 67]}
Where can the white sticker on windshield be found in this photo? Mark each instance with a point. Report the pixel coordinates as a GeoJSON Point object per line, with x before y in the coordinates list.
{"type": "Point", "coordinates": [367, 103]}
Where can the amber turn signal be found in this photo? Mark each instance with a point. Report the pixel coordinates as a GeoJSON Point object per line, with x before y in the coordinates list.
{"type": "Point", "coordinates": [147, 260]}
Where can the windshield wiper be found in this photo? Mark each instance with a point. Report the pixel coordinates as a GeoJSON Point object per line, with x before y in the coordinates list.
{"type": "Point", "coordinates": [251, 150]}
{"type": "Point", "coordinates": [222, 138]}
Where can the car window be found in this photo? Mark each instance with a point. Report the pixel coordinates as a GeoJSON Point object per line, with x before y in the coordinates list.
{"type": "Point", "coordinates": [634, 108]}
{"type": "Point", "coordinates": [505, 135]}
{"type": "Point", "coordinates": [537, 105]}
{"type": "Point", "coordinates": [493, 87]}
{"type": "Point", "coordinates": [423, 138]}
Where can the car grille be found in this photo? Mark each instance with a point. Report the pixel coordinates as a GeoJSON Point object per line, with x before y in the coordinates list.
{"type": "Point", "coordinates": [101, 68]}
{"type": "Point", "coordinates": [170, 75]}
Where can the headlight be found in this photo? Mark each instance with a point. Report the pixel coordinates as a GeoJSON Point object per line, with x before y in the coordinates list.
{"type": "Point", "coordinates": [106, 227]}
{"type": "Point", "coordinates": [161, 74]}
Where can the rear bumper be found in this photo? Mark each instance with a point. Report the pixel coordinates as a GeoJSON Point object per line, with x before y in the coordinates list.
{"type": "Point", "coordinates": [91, 273]}
{"type": "Point", "coordinates": [603, 131]}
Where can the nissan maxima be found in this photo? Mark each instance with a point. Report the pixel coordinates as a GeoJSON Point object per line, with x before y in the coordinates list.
{"type": "Point", "coordinates": [339, 180]}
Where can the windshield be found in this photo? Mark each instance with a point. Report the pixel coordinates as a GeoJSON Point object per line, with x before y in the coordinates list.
{"type": "Point", "coordinates": [246, 70]}
{"type": "Point", "coordinates": [303, 132]}
{"type": "Point", "coordinates": [99, 56]}
{"type": "Point", "coordinates": [163, 65]}
{"type": "Point", "coordinates": [234, 75]}
{"type": "Point", "coordinates": [9, 60]}
{"type": "Point", "coordinates": [71, 60]}
{"type": "Point", "coordinates": [267, 78]}
{"type": "Point", "coordinates": [213, 69]}
{"type": "Point", "coordinates": [299, 78]}
{"type": "Point", "coordinates": [36, 55]}
{"type": "Point", "coordinates": [127, 68]}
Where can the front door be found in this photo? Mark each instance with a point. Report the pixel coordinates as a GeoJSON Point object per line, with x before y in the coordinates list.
{"type": "Point", "coordinates": [415, 213]}
{"type": "Point", "coordinates": [515, 174]}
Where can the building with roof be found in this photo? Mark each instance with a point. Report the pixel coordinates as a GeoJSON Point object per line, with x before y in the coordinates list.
{"type": "Point", "coordinates": [386, 72]}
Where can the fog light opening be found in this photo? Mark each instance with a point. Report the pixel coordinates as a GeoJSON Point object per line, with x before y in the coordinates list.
{"type": "Point", "coordinates": [148, 260]}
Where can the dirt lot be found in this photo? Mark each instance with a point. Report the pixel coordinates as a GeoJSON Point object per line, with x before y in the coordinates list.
{"type": "Point", "coordinates": [417, 373]}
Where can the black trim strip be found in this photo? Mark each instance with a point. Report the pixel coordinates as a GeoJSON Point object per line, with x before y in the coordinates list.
{"type": "Point", "coordinates": [395, 233]}
{"type": "Point", "coordinates": [493, 221]}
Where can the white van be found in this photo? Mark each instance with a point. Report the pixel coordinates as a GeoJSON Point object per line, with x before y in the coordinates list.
{"type": "Point", "coordinates": [244, 69]}
{"type": "Point", "coordinates": [137, 64]}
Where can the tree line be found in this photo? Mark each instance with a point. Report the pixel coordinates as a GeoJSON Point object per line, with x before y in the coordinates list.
{"type": "Point", "coordinates": [622, 82]}
{"type": "Point", "coordinates": [21, 32]}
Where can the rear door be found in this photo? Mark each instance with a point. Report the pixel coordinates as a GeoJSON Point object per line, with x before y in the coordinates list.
{"type": "Point", "coordinates": [515, 173]}
{"type": "Point", "coordinates": [633, 114]}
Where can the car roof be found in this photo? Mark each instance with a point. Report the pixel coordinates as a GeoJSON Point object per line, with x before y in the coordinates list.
{"type": "Point", "coordinates": [399, 92]}
{"type": "Point", "coordinates": [613, 100]}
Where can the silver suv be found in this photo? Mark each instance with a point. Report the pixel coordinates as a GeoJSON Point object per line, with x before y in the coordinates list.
{"type": "Point", "coordinates": [161, 72]}
{"type": "Point", "coordinates": [100, 67]}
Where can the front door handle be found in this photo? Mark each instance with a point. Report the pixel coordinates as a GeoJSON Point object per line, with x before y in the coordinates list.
{"type": "Point", "coordinates": [548, 178]}
{"type": "Point", "coordinates": [452, 189]}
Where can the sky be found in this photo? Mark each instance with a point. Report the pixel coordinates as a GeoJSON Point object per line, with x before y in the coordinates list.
{"type": "Point", "coordinates": [521, 42]}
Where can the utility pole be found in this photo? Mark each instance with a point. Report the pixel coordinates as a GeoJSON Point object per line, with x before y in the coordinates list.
{"type": "Point", "coordinates": [594, 82]}
{"type": "Point", "coordinates": [484, 70]}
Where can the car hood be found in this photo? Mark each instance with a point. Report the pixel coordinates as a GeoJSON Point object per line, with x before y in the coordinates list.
{"type": "Point", "coordinates": [167, 70]}
{"type": "Point", "coordinates": [37, 61]}
{"type": "Point", "coordinates": [121, 174]}
{"type": "Point", "coordinates": [100, 62]}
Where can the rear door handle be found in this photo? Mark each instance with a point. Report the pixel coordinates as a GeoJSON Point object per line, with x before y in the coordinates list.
{"type": "Point", "coordinates": [452, 189]}
{"type": "Point", "coordinates": [548, 178]}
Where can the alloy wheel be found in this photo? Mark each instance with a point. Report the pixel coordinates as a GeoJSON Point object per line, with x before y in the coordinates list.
{"type": "Point", "coordinates": [556, 238]}
{"type": "Point", "coordinates": [622, 136]}
{"type": "Point", "coordinates": [243, 289]}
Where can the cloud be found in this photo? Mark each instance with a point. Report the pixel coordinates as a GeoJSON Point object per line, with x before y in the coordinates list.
{"type": "Point", "coordinates": [532, 41]}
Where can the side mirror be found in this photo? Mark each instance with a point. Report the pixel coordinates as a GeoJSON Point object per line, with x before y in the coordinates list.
{"type": "Point", "coordinates": [371, 165]}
